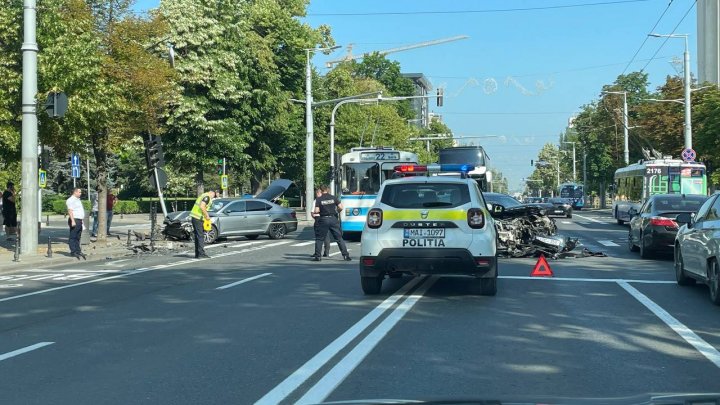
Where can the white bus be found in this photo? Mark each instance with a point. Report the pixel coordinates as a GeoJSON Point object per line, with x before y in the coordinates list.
{"type": "Point", "coordinates": [635, 183]}
{"type": "Point", "coordinates": [362, 172]}
{"type": "Point", "coordinates": [472, 155]}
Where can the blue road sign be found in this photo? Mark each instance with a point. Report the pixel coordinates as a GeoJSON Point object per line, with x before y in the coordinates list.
{"type": "Point", "coordinates": [75, 160]}
{"type": "Point", "coordinates": [76, 171]}
{"type": "Point", "coordinates": [689, 155]}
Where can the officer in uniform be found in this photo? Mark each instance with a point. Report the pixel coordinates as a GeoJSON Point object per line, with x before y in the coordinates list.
{"type": "Point", "coordinates": [326, 207]}
{"type": "Point", "coordinates": [326, 242]}
{"type": "Point", "coordinates": [198, 213]}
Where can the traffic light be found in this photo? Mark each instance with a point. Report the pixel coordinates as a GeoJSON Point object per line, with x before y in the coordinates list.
{"type": "Point", "coordinates": [154, 152]}
{"type": "Point", "coordinates": [219, 167]}
{"type": "Point", "coordinates": [440, 97]}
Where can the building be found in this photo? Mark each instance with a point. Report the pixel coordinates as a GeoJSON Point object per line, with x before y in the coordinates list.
{"type": "Point", "coordinates": [423, 87]}
{"type": "Point", "coordinates": [708, 41]}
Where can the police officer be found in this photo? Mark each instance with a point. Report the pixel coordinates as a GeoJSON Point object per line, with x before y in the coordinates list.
{"type": "Point", "coordinates": [326, 207]}
{"type": "Point", "coordinates": [326, 242]}
{"type": "Point", "coordinates": [197, 214]}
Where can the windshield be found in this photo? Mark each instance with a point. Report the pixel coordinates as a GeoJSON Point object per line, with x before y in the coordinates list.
{"type": "Point", "coordinates": [501, 199]}
{"type": "Point", "coordinates": [426, 195]}
{"type": "Point", "coordinates": [474, 156]}
{"type": "Point", "coordinates": [361, 178]}
{"type": "Point", "coordinates": [558, 201]}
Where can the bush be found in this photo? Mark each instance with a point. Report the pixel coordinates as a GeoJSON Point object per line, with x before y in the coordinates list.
{"type": "Point", "coordinates": [59, 207]}
{"type": "Point", "coordinates": [126, 207]}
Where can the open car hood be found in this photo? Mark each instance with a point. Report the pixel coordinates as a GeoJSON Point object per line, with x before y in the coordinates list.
{"type": "Point", "coordinates": [275, 189]}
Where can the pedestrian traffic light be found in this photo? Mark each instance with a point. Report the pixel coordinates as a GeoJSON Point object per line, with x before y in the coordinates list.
{"type": "Point", "coordinates": [440, 97]}
{"type": "Point", "coordinates": [219, 167]}
{"type": "Point", "coordinates": [154, 152]}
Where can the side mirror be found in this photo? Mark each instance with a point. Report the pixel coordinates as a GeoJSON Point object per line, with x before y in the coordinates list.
{"type": "Point", "coordinates": [497, 208]}
{"type": "Point", "coordinates": [685, 218]}
{"type": "Point", "coordinates": [632, 211]}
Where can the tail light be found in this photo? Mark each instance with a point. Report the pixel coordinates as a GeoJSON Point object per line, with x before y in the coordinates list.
{"type": "Point", "coordinates": [662, 221]}
{"type": "Point", "coordinates": [368, 261]}
{"type": "Point", "coordinates": [375, 218]}
{"type": "Point", "coordinates": [475, 218]}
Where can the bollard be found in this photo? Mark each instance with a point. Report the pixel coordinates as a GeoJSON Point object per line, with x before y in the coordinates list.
{"type": "Point", "coordinates": [153, 219]}
{"type": "Point", "coordinates": [47, 221]}
{"type": "Point", "coordinates": [129, 243]}
{"type": "Point", "coordinates": [17, 249]}
{"type": "Point", "coordinates": [49, 249]}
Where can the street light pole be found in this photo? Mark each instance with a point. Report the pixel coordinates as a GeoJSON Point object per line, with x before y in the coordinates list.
{"type": "Point", "coordinates": [574, 170]}
{"type": "Point", "coordinates": [686, 75]}
{"type": "Point", "coordinates": [309, 141]}
{"type": "Point", "coordinates": [29, 180]}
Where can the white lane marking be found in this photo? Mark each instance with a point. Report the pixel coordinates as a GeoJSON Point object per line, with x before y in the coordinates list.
{"type": "Point", "coordinates": [113, 263]}
{"type": "Point", "coordinates": [10, 285]}
{"type": "Point", "coordinates": [24, 350]}
{"type": "Point", "coordinates": [304, 243]}
{"type": "Point", "coordinates": [133, 272]}
{"type": "Point", "coordinates": [243, 281]}
{"type": "Point", "coordinates": [302, 374]}
{"type": "Point", "coordinates": [323, 388]}
{"type": "Point", "coordinates": [566, 222]}
{"type": "Point", "coordinates": [590, 219]}
{"type": "Point", "coordinates": [607, 243]}
{"type": "Point", "coordinates": [598, 280]}
{"type": "Point", "coordinates": [337, 253]}
{"type": "Point", "coordinates": [691, 337]}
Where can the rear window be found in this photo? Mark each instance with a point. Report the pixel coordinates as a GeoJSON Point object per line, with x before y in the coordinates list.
{"type": "Point", "coordinates": [424, 195]}
{"type": "Point", "coordinates": [678, 204]}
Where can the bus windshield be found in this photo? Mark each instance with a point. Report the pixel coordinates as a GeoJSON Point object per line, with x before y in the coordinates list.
{"type": "Point", "coordinates": [361, 178]}
{"type": "Point", "coordinates": [474, 156]}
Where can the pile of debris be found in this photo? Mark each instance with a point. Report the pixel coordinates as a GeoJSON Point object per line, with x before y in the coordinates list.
{"type": "Point", "coordinates": [525, 231]}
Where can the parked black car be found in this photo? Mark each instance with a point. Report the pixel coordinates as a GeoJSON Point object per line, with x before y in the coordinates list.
{"type": "Point", "coordinates": [655, 226]}
{"type": "Point", "coordinates": [560, 206]}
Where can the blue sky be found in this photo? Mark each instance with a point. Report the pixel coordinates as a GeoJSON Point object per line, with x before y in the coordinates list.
{"type": "Point", "coordinates": [522, 74]}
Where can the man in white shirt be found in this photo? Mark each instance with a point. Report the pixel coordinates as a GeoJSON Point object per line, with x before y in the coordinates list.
{"type": "Point", "coordinates": [76, 214]}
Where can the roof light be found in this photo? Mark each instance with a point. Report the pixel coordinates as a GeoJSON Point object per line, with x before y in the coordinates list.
{"type": "Point", "coordinates": [457, 168]}
{"type": "Point", "coordinates": [410, 168]}
{"type": "Point", "coordinates": [434, 168]}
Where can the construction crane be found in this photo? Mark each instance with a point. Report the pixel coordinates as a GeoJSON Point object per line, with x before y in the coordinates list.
{"type": "Point", "coordinates": [350, 56]}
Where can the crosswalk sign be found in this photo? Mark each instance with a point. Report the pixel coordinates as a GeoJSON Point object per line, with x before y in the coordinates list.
{"type": "Point", "coordinates": [224, 181]}
{"type": "Point", "coordinates": [42, 178]}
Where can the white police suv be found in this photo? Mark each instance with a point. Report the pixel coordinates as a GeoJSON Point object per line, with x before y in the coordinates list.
{"type": "Point", "coordinates": [429, 223]}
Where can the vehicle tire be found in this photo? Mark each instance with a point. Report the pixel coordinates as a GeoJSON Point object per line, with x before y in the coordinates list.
{"type": "Point", "coordinates": [631, 246]}
{"type": "Point", "coordinates": [252, 237]}
{"type": "Point", "coordinates": [371, 285]}
{"type": "Point", "coordinates": [680, 276]}
{"type": "Point", "coordinates": [714, 281]}
{"type": "Point", "coordinates": [277, 230]}
{"type": "Point", "coordinates": [619, 221]}
{"type": "Point", "coordinates": [211, 236]}
{"type": "Point", "coordinates": [488, 286]}
{"type": "Point", "coordinates": [569, 215]}
{"type": "Point", "coordinates": [644, 252]}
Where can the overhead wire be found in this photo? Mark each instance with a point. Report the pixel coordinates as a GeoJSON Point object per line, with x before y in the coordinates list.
{"type": "Point", "coordinates": [668, 38]}
{"type": "Point", "coordinates": [646, 37]}
{"type": "Point", "coordinates": [497, 10]}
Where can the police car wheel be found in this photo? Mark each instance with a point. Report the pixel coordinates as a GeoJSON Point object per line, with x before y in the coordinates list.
{"type": "Point", "coordinates": [488, 286]}
{"type": "Point", "coordinates": [371, 285]}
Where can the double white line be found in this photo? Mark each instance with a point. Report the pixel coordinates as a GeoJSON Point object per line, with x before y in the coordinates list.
{"type": "Point", "coordinates": [328, 383]}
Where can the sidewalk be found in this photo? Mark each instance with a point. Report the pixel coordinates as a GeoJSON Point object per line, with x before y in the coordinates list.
{"type": "Point", "coordinates": [115, 246]}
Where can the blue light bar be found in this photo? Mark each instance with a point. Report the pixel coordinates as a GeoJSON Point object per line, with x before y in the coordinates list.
{"type": "Point", "coordinates": [457, 168]}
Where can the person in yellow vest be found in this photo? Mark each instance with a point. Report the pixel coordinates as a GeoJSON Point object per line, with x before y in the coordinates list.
{"type": "Point", "coordinates": [198, 214]}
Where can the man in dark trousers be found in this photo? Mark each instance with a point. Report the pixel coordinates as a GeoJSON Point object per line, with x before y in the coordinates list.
{"type": "Point", "coordinates": [326, 207]}
{"type": "Point", "coordinates": [76, 215]}
{"type": "Point", "coordinates": [326, 242]}
{"type": "Point", "coordinates": [9, 211]}
{"type": "Point", "coordinates": [198, 214]}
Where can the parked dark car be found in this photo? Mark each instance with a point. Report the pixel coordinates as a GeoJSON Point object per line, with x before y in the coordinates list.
{"type": "Point", "coordinates": [249, 217]}
{"type": "Point", "coordinates": [697, 247]}
{"type": "Point", "coordinates": [654, 227]}
{"type": "Point", "coordinates": [560, 206]}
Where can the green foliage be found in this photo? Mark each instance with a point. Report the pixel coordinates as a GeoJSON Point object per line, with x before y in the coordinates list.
{"type": "Point", "coordinates": [126, 207]}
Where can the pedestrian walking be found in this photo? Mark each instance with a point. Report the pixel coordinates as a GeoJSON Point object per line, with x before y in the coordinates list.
{"type": "Point", "coordinates": [197, 215]}
{"type": "Point", "coordinates": [111, 201]}
{"type": "Point", "coordinates": [94, 213]}
{"type": "Point", "coordinates": [326, 242]}
{"type": "Point", "coordinates": [76, 214]}
{"type": "Point", "coordinates": [9, 211]}
{"type": "Point", "coordinates": [326, 207]}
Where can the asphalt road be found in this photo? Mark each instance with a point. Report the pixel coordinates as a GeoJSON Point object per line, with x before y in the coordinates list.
{"type": "Point", "coordinates": [260, 322]}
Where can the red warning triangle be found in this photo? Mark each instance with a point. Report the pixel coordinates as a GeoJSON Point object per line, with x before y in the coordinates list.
{"type": "Point", "coordinates": [542, 268]}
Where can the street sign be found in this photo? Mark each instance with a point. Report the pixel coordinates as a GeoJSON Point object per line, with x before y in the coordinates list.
{"type": "Point", "coordinates": [75, 159]}
{"type": "Point", "coordinates": [75, 172]}
{"type": "Point", "coordinates": [56, 105]}
{"type": "Point", "coordinates": [162, 176]}
{"type": "Point", "coordinates": [224, 182]}
{"type": "Point", "coordinates": [42, 178]}
{"type": "Point", "coordinates": [689, 155]}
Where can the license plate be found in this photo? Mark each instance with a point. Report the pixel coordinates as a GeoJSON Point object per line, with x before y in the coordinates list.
{"type": "Point", "coordinates": [558, 211]}
{"type": "Point", "coordinates": [421, 233]}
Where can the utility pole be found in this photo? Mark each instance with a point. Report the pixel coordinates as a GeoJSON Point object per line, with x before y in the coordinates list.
{"type": "Point", "coordinates": [626, 150]}
{"type": "Point", "coordinates": [29, 181]}
{"type": "Point", "coordinates": [574, 171]}
{"type": "Point", "coordinates": [225, 193]}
